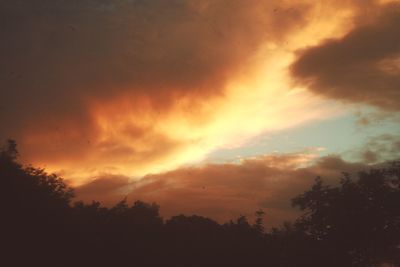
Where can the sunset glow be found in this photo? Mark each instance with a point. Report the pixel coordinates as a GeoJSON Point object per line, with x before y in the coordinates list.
{"type": "Point", "coordinates": [137, 90]}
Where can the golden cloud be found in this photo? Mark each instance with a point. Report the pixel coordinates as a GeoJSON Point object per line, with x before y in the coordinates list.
{"type": "Point", "coordinates": [140, 87]}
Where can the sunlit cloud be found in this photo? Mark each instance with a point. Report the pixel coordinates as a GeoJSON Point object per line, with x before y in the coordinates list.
{"type": "Point", "coordinates": [159, 86]}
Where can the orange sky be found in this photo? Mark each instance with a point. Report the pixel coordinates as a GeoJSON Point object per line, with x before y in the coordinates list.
{"type": "Point", "coordinates": [130, 134]}
{"type": "Point", "coordinates": [133, 90]}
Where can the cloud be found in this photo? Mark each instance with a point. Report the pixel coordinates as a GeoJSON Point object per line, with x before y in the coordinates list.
{"type": "Point", "coordinates": [122, 89]}
{"type": "Point", "coordinates": [143, 86]}
{"type": "Point", "coordinates": [225, 191]}
{"type": "Point", "coordinates": [362, 66]}
{"type": "Point", "coordinates": [135, 87]}
{"type": "Point", "coordinates": [60, 53]}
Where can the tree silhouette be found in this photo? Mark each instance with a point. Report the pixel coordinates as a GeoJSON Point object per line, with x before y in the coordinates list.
{"type": "Point", "coordinates": [359, 219]}
{"type": "Point", "coordinates": [34, 207]}
{"type": "Point", "coordinates": [356, 223]}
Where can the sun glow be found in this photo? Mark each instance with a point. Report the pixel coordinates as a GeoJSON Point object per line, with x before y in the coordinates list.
{"type": "Point", "coordinates": [134, 138]}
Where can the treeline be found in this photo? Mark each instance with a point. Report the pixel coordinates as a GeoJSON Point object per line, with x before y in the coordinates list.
{"type": "Point", "coordinates": [356, 223]}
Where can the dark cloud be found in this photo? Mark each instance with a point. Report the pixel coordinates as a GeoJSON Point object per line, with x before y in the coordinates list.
{"type": "Point", "coordinates": [56, 54]}
{"type": "Point", "coordinates": [59, 58]}
{"type": "Point", "coordinates": [224, 191]}
{"type": "Point", "coordinates": [363, 66]}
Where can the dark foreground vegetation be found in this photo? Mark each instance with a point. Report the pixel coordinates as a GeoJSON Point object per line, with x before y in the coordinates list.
{"type": "Point", "coordinates": [356, 223]}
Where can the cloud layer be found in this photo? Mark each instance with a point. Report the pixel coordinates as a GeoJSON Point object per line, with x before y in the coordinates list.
{"type": "Point", "coordinates": [134, 87]}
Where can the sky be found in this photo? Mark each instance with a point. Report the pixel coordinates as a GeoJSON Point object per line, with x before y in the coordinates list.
{"type": "Point", "coordinates": [212, 107]}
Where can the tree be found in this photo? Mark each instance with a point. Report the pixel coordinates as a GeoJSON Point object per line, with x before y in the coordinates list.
{"type": "Point", "coordinates": [34, 208]}
{"type": "Point", "coordinates": [359, 219]}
